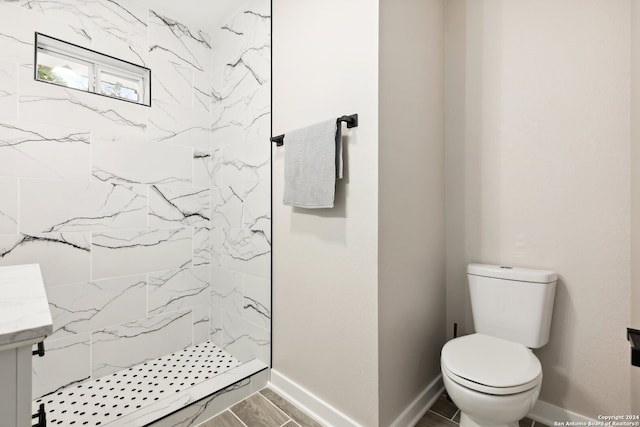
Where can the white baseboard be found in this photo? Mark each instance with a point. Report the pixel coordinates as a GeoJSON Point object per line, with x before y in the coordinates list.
{"type": "Point", "coordinates": [317, 408]}
{"type": "Point", "coordinates": [327, 415]}
{"type": "Point", "coordinates": [547, 413]}
{"type": "Point", "coordinates": [421, 404]}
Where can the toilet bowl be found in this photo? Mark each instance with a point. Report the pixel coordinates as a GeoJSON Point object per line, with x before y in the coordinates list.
{"type": "Point", "coordinates": [492, 375]}
{"type": "Point", "coordinates": [494, 382]}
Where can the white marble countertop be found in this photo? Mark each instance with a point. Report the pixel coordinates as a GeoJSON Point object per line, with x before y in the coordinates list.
{"type": "Point", "coordinates": [24, 309]}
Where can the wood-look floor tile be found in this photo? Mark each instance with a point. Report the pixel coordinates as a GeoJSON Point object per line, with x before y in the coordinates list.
{"type": "Point", "coordinates": [539, 424]}
{"type": "Point", "coordinates": [225, 419]}
{"type": "Point", "coordinates": [444, 407]}
{"type": "Point", "coordinates": [296, 414]}
{"type": "Point", "coordinates": [257, 411]}
{"type": "Point", "coordinates": [291, 424]}
{"type": "Point", "coordinates": [456, 418]}
{"type": "Point", "coordinates": [431, 419]}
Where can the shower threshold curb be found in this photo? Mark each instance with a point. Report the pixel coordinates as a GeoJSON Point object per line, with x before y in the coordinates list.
{"type": "Point", "coordinates": [149, 391]}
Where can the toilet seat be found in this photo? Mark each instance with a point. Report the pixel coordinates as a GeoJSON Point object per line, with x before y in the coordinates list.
{"type": "Point", "coordinates": [490, 365]}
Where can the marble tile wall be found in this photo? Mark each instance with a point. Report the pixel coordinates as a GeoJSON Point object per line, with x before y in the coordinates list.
{"type": "Point", "coordinates": [241, 189]}
{"type": "Point", "coordinates": [151, 225]}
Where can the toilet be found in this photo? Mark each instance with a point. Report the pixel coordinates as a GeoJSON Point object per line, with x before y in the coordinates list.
{"type": "Point", "coordinates": [492, 375]}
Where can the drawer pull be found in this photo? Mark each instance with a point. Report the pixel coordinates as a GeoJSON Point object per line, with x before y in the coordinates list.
{"type": "Point", "coordinates": [40, 350]}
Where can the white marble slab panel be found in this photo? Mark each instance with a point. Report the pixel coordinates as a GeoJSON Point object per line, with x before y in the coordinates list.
{"type": "Point", "coordinates": [244, 340]}
{"type": "Point", "coordinates": [135, 54]}
{"type": "Point", "coordinates": [202, 252]}
{"type": "Point", "coordinates": [217, 246]}
{"type": "Point", "coordinates": [217, 167]}
{"type": "Point", "coordinates": [239, 118]}
{"type": "Point", "coordinates": [66, 363]}
{"type": "Point", "coordinates": [171, 83]}
{"type": "Point", "coordinates": [8, 89]}
{"type": "Point", "coordinates": [246, 161]}
{"type": "Point", "coordinates": [17, 28]}
{"type": "Point", "coordinates": [215, 325]}
{"type": "Point", "coordinates": [8, 205]}
{"type": "Point", "coordinates": [227, 290]}
{"type": "Point", "coordinates": [257, 113]}
{"type": "Point", "coordinates": [122, 346]}
{"type": "Point", "coordinates": [179, 206]}
{"type": "Point", "coordinates": [247, 251]}
{"type": "Point", "coordinates": [179, 43]}
{"type": "Point", "coordinates": [226, 206]}
{"type": "Point", "coordinates": [177, 125]}
{"type": "Point", "coordinates": [174, 290]}
{"type": "Point", "coordinates": [200, 324]}
{"type": "Point", "coordinates": [202, 94]}
{"type": "Point", "coordinates": [202, 168]}
{"type": "Point", "coordinates": [122, 20]}
{"type": "Point", "coordinates": [47, 206]}
{"type": "Point", "coordinates": [63, 257]}
{"type": "Point", "coordinates": [256, 213]}
{"type": "Point", "coordinates": [257, 301]}
{"type": "Point", "coordinates": [43, 151]}
{"type": "Point", "coordinates": [87, 306]}
{"type": "Point", "coordinates": [49, 103]}
{"type": "Point", "coordinates": [136, 161]}
{"type": "Point", "coordinates": [127, 252]}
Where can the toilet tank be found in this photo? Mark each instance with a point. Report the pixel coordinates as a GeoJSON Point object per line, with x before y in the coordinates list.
{"type": "Point", "coordinates": [512, 303]}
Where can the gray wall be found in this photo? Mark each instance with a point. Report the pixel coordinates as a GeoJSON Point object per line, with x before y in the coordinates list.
{"type": "Point", "coordinates": [325, 274]}
{"type": "Point", "coordinates": [545, 162]}
{"type": "Point", "coordinates": [411, 247]}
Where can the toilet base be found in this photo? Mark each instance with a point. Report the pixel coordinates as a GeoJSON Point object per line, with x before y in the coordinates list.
{"type": "Point", "coordinates": [467, 421]}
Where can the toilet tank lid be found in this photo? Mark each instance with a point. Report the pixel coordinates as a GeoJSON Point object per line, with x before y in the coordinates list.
{"type": "Point", "coordinates": [512, 273]}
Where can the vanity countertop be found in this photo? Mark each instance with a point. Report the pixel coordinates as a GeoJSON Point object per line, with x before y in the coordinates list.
{"type": "Point", "coordinates": [24, 309]}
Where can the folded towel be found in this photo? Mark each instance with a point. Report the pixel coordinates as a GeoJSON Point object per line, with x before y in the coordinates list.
{"type": "Point", "coordinates": [312, 163]}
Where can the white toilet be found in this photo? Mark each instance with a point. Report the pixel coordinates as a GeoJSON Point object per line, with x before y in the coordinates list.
{"type": "Point", "coordinates": [492, 375]}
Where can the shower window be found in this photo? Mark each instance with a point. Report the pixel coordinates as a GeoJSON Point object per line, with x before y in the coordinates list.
{"type": "Point", "coordinates": [75, 67]}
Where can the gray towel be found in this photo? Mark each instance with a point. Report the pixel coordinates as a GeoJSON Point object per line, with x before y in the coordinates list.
{"type": "Point", "coordinates": [312, 163]}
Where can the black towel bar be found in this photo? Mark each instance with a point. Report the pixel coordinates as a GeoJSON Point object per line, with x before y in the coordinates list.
{"type": "Point", "coordinates": [351, 121]}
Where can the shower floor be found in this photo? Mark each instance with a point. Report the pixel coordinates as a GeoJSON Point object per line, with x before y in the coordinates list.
{"type": "Point", "coordinates": [145, 392]}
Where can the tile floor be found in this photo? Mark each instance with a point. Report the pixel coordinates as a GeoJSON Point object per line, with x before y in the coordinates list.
{"type": "Point", "coordinates": [268, 409]}
{"type": "Point", "coordinates": [444, 413]}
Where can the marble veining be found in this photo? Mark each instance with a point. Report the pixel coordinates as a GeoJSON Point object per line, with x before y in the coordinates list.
{"type": "Point", "coordinates": [122, 20]}
{"type": "Point", "coordinates": [134, 161]}
{"type": "Point", "coordinates": [123, 252]}
{"type": "Point", "coordinates": [63, 257]}
{"type": "Point", "coordinates": [125, 345]}
{"type": "Point", "coordinates": [24, 309]}
{"type": "Point", "coordinates": [174, 290]}
{"type": "Point", "coordinates": [87, 306]}
{"type": "Point", "coordinates": [8, 205]}
{"type": "Point", "coordinates": [179, 43]}
{"type": "Point", "coordinates": [88, 206]}
{"type": "Point", "coordinates": [175, 206]}
{"type": "Point", "coordinates": [43, 151]}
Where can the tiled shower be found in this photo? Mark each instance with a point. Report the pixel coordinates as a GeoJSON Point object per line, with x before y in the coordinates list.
{"type": "Point", "coordinates": [151, 225]}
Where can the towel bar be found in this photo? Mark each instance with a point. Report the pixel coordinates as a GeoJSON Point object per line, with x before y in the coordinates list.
{"type": "Point", "coordinates": [351, 121]}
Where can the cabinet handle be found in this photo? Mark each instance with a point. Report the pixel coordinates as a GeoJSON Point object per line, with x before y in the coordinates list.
{"type": "Point", "coordinates": [41, 415]}
{"type": "Point", "coordinates": [40, 350]}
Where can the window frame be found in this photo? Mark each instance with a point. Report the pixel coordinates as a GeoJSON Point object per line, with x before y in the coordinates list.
{"type": "Point", "coordinates": [97, 64]}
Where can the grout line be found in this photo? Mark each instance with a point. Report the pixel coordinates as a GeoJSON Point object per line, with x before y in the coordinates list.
{"type": "Point", "coordinates": [237, 417]}
{"type": "Point", "coordinates": [454, 415]}
{"type": "Point", "coordinates": [275, 406]}
{"type": "Point", "coordinates": [441, 416]}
